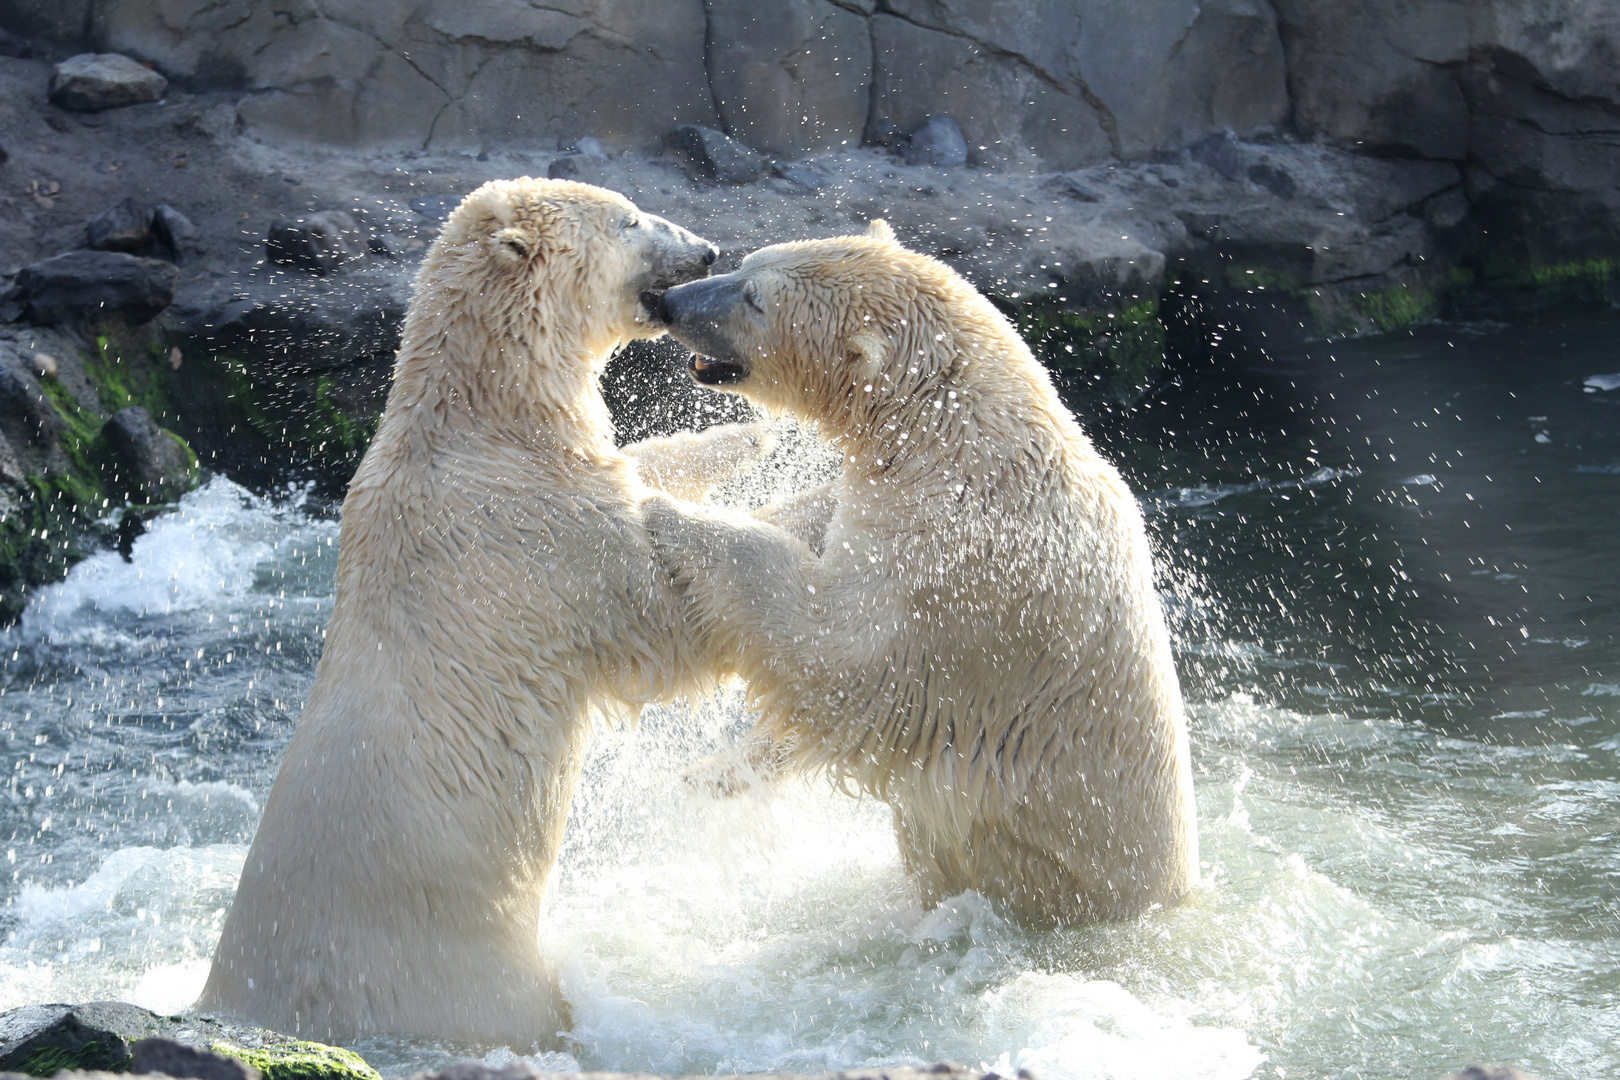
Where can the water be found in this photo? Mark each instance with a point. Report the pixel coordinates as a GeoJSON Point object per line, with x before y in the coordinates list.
{"type": "Point", "coordinates": [1394, 586]}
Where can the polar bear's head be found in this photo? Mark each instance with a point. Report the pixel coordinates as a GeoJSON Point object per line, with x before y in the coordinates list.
{"type": "Point", "coordinates": [567, 257]}
{"type": "Point", "coordinates": [827, 328]}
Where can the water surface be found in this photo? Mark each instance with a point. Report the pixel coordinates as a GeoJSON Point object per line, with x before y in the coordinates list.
{"type": "Point", "coordinates": [1393, 577]}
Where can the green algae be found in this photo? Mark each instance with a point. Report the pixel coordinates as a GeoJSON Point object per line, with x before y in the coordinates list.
{"type": "Point", "coordinates": [1124, 346]}
{"type": "Point", "coordinates": [294, 1060]}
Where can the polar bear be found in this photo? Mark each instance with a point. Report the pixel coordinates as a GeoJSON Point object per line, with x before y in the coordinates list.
{"type": "Point", "coordinates": [495, 584]}
{"type": "Point", "coordinates": [973, 633]}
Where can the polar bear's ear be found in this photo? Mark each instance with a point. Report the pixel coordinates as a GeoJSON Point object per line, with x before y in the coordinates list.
{"type": "Point", "coordinates": [878, 229]}
{"type": "Point", "coordinates": [867, 354]}
{"type": "Point", "coordinates": [513, 242]}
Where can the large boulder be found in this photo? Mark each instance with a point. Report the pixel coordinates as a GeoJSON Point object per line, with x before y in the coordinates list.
{"type": "Point", "coordinates": [91, 82]}
{"type": "Point", "coordinates": [25, 412]}
{"type": "Point", "coordinates": [124, 227]}
{"type": "Point", "coordinates": [791, 76]}
{"type": "Point", "coordinates": [91, 284]}
{"type": "Point", "coordinates": [320, 243]}
{"type": "Point", "coordinates": [708, 154]}
{"type": "Point", "coordinates": [148, 461]}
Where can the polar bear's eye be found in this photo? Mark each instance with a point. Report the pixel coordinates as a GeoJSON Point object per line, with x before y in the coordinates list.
{"type": "Point", "coordinates": [751, 295]}
{"type": "Point", "coordinates": [631, 222]}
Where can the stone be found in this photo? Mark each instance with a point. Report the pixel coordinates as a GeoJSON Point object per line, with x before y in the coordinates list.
{"type": "Point", "coordinates": [582, 167]}
{"type": "Point", "coordinates": [91, 82]}
{"type": "Point", "coordinates": [173, 230]}
{"type": "Point", "coordinates": [587, 147]}
{"type": "Point", "coordinates": [804, 176]}
{"type": "Point", "coordinates": [708, 154]}
{"type": "Point", "coordinates": [435, 74]}
{"type": "Point", "coordinates": [43, 365]}
{"type": "Point", "coordinates": [91, 283]}
{"type": "Point", "coordinates": [42, 1039]}
{"type": "Point", "coordinates": [25, 409]}
{"type": "Point", "coordinates": [320, 243]}
{"type": "Point", "coordinates": [125, 227]}
{"type": "Point", "coordinates": [170, 1058]}
{"type": "Point", "coordinates": [152, 461]}
{"type": "Point", "coordinates": [17, 49]}
{"type": "Point", "coordinates": [792, 76]}
{"type": "Point", "coordinates": [938, 142]}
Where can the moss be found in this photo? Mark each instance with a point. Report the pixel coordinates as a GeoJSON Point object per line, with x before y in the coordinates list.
{"type": "Point", "coordinates": [293, 1060]}
{"type": "Point", "coordinates": [1399, 306]}
{"type": "Point", "coordinates": [1124, 346]}
{"type": "Point", "coordinates": [50, 1060]}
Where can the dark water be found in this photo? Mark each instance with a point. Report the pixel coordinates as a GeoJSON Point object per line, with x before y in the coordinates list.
{"type": "Point", "coordinates": [1393, 573]}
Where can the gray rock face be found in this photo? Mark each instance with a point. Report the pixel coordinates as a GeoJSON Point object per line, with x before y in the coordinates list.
{"type": "Point", "coordinates": [25, 411]}
{"type": "Point", "coordinates": [89, 283]}
{"type": "Point", "coordinates": [91, 82]}
{"type": "Point", "coordinates": [790, 76]}
{"type": "Point", "coordinates": [938, 142]}
{"type": "Point", "coordinates": [125, 227]}
{"type": "Point", "coordinates": [93, 1036]}
{"type": "Point", "coordinates": [151, 461]}
{"type": "Point", "coordinates": [173, 230]}
{"type": "Point", "coordinates": [708, 154]}
{"type": "Point", "coordinates": [320, 243]}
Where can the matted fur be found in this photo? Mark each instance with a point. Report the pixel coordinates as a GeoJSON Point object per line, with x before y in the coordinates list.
{"type": "Point", "coordinates": [977, 639]}
{"type": "Point", "coordinates": [495, 583]}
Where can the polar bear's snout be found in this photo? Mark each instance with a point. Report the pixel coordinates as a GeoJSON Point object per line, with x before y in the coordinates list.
{"type": "Point", "coordinates": [705, 316]}
{"type": "Point", "coordinates": [674, 256]}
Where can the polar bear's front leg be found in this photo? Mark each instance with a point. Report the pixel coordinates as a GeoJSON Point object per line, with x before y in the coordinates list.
{"type": "Point", "coordinates": [805, 515]}
{"type": "Point", "coordinates": [747, 582]}
{"type": "Point", "coordinates": [689, 464]}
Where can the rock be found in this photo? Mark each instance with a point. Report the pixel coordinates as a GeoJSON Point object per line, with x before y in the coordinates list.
{"type": "Point", "coordinates": [588, 147]}
{"type": "Point", "coordinates": [25, 409]}
{"type": "Point", "coordinates": [43, 365]}
{"type": "Point", "coordinates": [938, 142]}
{"type": "Point", "coordinates": [126, 227]}
{"type": "Point", "coordinates": [42, 1039]}
{"type": "Point", "coordinates": [170, 1058]}
{"type": "Point", "coordinates": [435, 207]}
{"type": "Point", "coordinates": [14, 47]}
{"type": "Point", "coordinates": [803, 175]}
{"type": "Point", "coordinates": [320, 243]}
{"type": "Point", "coordinates": [708, 154]}
{"type": "Point", "coordinates": [435, 74]}
{"type": "Point", "coordinates": [91, 82]}
{"type": "Point", "coordinates": [152, 461]}
{"type": "Point", "coordinates": [791, 76]}
{"type": "Point", "coordinates": [581, 167]}
{"type": "Point", "coordinates": [4, 157]}
{"type": "Point", "coordinates": [173, 230]}
{"type": "Point", "coordinates": [91, 283]}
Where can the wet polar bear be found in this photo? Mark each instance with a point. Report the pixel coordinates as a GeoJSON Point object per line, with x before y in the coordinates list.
{"type": "Point", "coordinates": [495, 583]}
{"type": "Point", "coordinates": [972, 634]}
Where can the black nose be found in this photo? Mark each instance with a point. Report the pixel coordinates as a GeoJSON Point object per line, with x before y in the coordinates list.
{"type": "Point", "coordinates": [710, 255]}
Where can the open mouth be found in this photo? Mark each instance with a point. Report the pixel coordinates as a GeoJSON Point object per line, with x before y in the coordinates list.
{"type": "Point", "coordinates": [652, 305]}
{"type": "Point", "coordinates": [712, 372]}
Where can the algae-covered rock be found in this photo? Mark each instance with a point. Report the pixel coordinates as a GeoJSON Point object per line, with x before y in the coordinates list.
{"type": "Point", "coordinates": [102, 1036]}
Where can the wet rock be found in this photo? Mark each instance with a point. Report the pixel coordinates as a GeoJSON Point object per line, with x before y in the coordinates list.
{"type": "Point", "coordinates": [104, 1035]}
{"type": "Point", "coordinates": [804, 176]}
{"type": "Point", "coordinates": [320, 243]}
{"type": "Point", "coordinates": [582, 167]}
{"type": "Point", "coordinates": [91, 283]}
{"type": "Point", "coordinates": [125, 227]}
{"type": "Point", "coordinates": [587, 146]}
{"type": "Point", "coordinates": [435, 207]}
{"type": "Point", "coordinates": [708, 154]}
{"type": "Point", "coordinates": [25, 410]}
{"type": "Point", "coordinates": [791, 76]}
{"type": "Point", "coordinates": [170, 1058]}
{"type": "Point", "coordinates": [91, 82]}
{"type": "Point", "coordinates": [938, 142]}
{"type": "Point", "coordinates": [151, 460]}
{"type": "Point", "coordinates": [43, 365]}
{"type": "Point", "coordinates": [14, 47]}
{"type": "Point", "coordinates": [173, 230]}
{"type": "Point", "coordinates": [42, 1039]}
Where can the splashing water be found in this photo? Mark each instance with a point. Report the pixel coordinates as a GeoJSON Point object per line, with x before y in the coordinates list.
{"type": "Point", "coordinates": [1405, 722]}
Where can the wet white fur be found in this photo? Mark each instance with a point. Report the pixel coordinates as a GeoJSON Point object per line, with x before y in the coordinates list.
{"type": "Point", "coordinates": [975, 638]}
{"type": "Point", "coordinates": [495, 584]}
